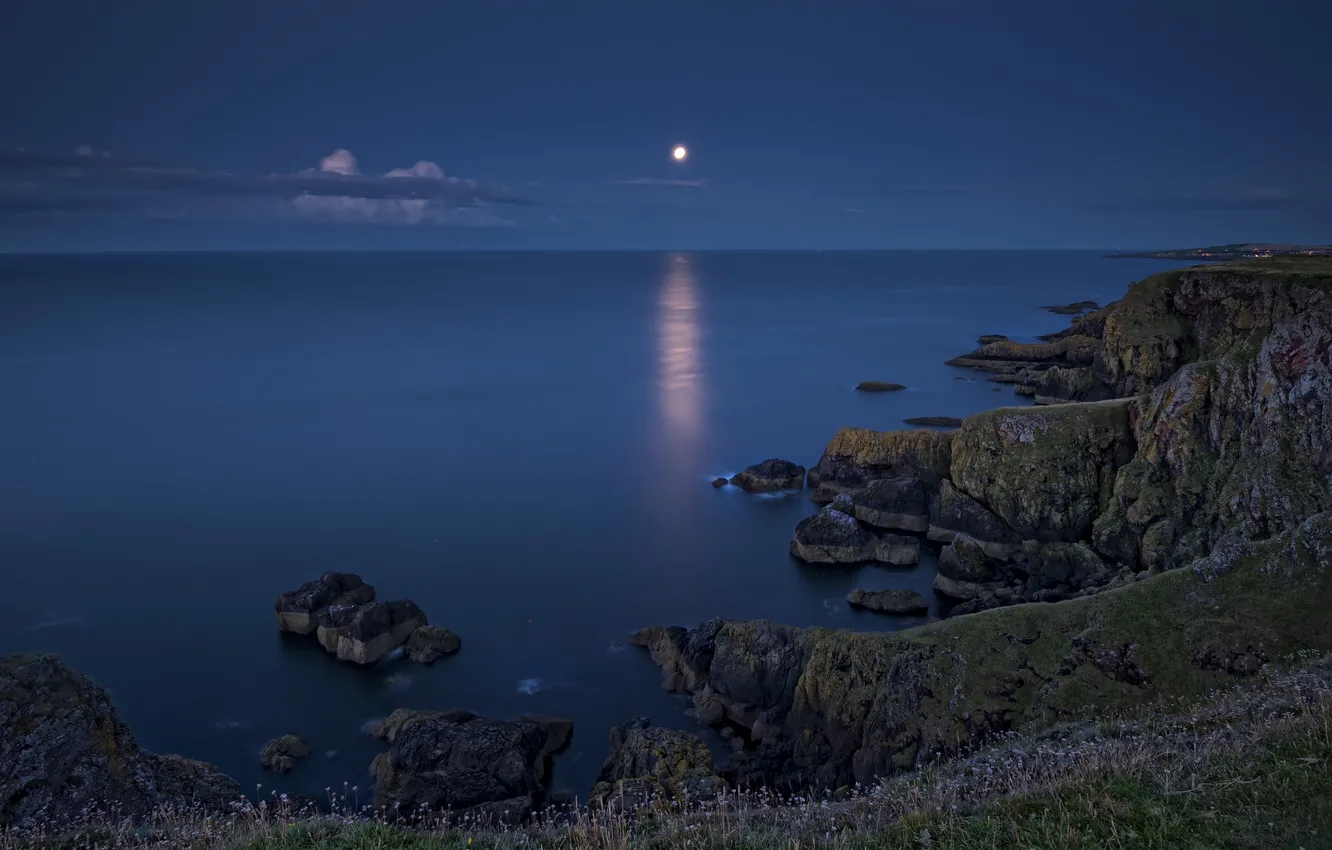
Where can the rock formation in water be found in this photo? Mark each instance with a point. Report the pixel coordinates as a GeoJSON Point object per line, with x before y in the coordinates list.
{"type": "Point", "coordinates": [280, 754]}
{"type": "Point", "coordinates": [464, 763]}
{"type": "Point", "coordinates": [770, 475]}
{"type": "Point", "coordinates": [889, 601]}
{"type": "Point", "coordinates": [835, 536]}
{"type": "Point", "coordinates": [879, 387]}
{"type": "Point", "coordinates": [1185, 516]}
{"type": "Point", "coordinates": [65, 755]}
{"type": "Point", "coordinates": [341, 611]}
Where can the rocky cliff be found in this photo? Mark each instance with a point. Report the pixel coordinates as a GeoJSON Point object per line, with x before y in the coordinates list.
{"type": "Point", "coordinates": [1209, 445]}
{"type": "Point", "coordinates": [65, 756]}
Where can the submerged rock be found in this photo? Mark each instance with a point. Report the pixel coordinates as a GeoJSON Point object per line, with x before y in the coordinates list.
{"type": "Point", "coordinates": [280, 754]}
{"type": "Point", "coordinates": [298, 610]}
{"type": "Point", "coordinates": [889, 601]}
{"type": "Point", "coordinates": [878, 387]}
{"type": "Point", "coordinates": [429, 643]}
{"type": "Point", "coordinates": [463, 763]}
{"type": "Point", "coordinates": [650, 764]}
{"type": "Point", "coordinates": [65, 754]}
{"type": "Point", "coordinates": [771, 475]}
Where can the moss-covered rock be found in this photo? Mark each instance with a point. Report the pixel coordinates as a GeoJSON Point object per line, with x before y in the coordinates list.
{"type": "Point", "coordinates": [856, 456]}
{"type": "Point", "coordinates": [650, 764]}
{"type": "Point", "coordinates": [1045, 472]}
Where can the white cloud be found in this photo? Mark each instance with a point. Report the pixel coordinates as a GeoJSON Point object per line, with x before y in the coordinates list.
{"type": "Point", "coordinates": [401, 211]}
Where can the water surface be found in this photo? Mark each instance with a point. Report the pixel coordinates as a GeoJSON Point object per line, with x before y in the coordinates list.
{"type": "Point", "coordinates": [521, 443]}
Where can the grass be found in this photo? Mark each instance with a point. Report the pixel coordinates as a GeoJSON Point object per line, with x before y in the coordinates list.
{"type": "Point", "coordinates": [1245, 769]}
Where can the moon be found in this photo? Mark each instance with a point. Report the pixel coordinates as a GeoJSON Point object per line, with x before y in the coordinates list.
{"type": "Point", "coordinates": [680, 153]}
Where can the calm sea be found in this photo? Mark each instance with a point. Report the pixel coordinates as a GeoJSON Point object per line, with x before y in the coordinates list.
{"type": "Point", "coordinates": [521, 443]}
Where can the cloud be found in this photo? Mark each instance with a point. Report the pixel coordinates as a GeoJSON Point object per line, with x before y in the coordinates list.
{"type": "Point", "coordinates": [336, 189]}
{"type": "Point", "coordinates": [663, 182]}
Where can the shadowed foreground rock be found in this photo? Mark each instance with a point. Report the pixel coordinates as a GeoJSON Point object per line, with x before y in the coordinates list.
{"type": "Point", "coordinates": [771, 475]}
{"type": "Point", "coordinates": [464, 763]}
{"type": "Point", "coordinates": [65, 753]}
{"type": "Point", "coordinates": [648, 762]}
{"type": "Point", "coordinates": [834, 536]}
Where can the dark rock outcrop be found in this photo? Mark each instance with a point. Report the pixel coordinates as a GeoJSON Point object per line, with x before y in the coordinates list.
{"type": "Point", "coordinates": [65, 755]}
{"type": "Point", "coordinates": [834, 536]}
{"type": "Point", "coordinates": [463, 763]}
{"type": "Point", "coordinates": [429, 643]}
{"type": "Point", "coordinates": [367, 633]}
{"type": "Point", "coordinates": [719, 483]}
{"type": "Point", "coordinates": [986, 339]}
{"type": "Point", "coordinates": [648, 763]}
{"type": "Point", "coordinates": [900, 504]}
{"type": "Point", "coordinates": [280, 754]}
{"type": "Point", "coordinates": [889, 601]}
{"type": "Point", "coordinates": [878, 387]}
{"type": "Point", "coordinates": [298, 610]}
{"type": "Point", "coordinates": [770, 475]}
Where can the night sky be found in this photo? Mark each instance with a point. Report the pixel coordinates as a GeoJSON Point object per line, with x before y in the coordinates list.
{"type": "Point", "coordinates": [536, 124]}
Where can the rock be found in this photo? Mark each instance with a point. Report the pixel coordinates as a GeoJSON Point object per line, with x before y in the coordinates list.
{"type": "Point", "coordinates": [878, 387]}
{"type": "Point", "coordinates": [649, 763]}
{"type": "Point", "coordinates": [897, 550]}
{"type": "Point", "coordinates": [988, 339]}
{"type": "Point", "coordinates": [720, 482]}
{"type": "Point", "coordinates": [280, 754]}
{"type": "Point", "coordinates": [953, 512]}
{"type": "Point", "coordinates": [1075, 309]}
{"type": "Point", "coordinates": [366, 634]}
{"type": "Point", "coordinates": [857, 456]}
{"type": "Point", "coordinates": [1064, 566]}
{"type": "Point", "coordinates": [65, 754]}
{"type": "Point", "coordinates": [1044, 472]}
{"type": "Point", "coordinates": [964, 560]}
{"type": "Point", "coordinates": [429, 643]}
{"type": "Point", "coordinates": [297, 610]}
{"type": "Point", "coordinates": [771, 475]}
{"type": "Point", "coordinates": [889, 601]}
{"type": "Point", "coordinates": [833, 537]}
{"type": "Point", "coordinates": [955, 589]}
{"type": "Point", "coordinates": [893, 503]}
{"type": "Point", "coordinates": [938, 421]}
{"type": "Point", "coordinates": [463, 763]}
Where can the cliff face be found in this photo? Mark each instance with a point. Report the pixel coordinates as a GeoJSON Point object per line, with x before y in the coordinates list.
{"type": "Point", "coordinates": [64, 754]}
{"type": "Point", "coordinates": [1213, 450]}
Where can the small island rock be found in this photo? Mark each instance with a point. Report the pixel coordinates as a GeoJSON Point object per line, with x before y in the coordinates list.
{"type": "Point", "coordinates": [940, 421]}
{"type": "Point", "coordinates": [429, 643]}
{"type": "Point", "coordinates": [771, 475]}
{"type": "Point", "coordinates": [878, 387]}
{"type": "Point", "coordinates": [889, 601]}
{"type": "Point", "coordinates": [1074, 309]}
{"type": "Point", "coordinates": [719, 483]}
{"type": "Point", "coordinates": [280, 754]}
{"type": "Point", "coordinates": [987, 339]}
{"type": "Point", "coordinates": [298, 610]}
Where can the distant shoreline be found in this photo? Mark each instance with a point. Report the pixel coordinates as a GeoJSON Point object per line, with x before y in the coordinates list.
{"type": "Point", "coordinates": [1223, 253]}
